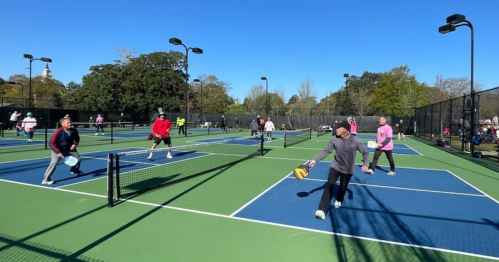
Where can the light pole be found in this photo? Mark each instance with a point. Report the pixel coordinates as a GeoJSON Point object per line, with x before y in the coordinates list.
{"type": "Point", "coordinates": [201, 114]}
{"type": "Point", "coordinates": [266, 95]}
{"type": "Point", "coordinates": [346, 76]}
{"type": "Point", "coordinates": [195, 50]}
{"type": "Point", "coordinates": [454, 21]}
{"type": "Point", "coordinates": [31, 59]}
{"type": "Point", "coordinates": [22, 90]}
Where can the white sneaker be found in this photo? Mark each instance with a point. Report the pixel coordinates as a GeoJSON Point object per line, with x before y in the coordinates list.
{"type": "Point", "coordinates": [370, 171]}
{"type": "Point", "coordinates": [169, 156]}
{"type": "Point", "coordinates": [96, 133]}
{"type": "Point", "coordinates": [47, 182]}
{"type": "Point", "coordinates": [149, 157]}
{"type": "Point", "coordinates": [102, 134]}
{"type": "Point", "coordinates": [391, 173]}
{"type": "Point", "coordinates": [320, 214]}
{"type": "Point", "coordinates": [337, 204]}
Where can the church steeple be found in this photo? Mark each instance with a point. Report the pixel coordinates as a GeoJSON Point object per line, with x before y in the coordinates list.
{"type": "Point", "coordinates": [46, 71]}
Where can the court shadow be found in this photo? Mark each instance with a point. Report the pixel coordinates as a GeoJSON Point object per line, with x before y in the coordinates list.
{"type": "Point", "coordinates": [336, 188]}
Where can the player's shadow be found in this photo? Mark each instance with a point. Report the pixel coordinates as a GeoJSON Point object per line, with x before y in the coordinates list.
{"type": "Point", "coordinates": [336, 189]}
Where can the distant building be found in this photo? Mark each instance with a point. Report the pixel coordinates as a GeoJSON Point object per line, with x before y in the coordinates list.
{"type": "Point", "coordinates": [46, 72]}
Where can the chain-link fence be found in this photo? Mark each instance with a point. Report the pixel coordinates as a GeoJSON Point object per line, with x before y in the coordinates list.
{"type": "Point", "coordinates": [448, 123]}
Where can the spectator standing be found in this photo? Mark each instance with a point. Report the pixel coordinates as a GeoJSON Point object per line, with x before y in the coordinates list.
{"type": "Point", "coordinates": [161, 129]}
{"type": "Point", "coordinates": [269, 127]}
{"type": "Point", "coordinates": [385, 145]}
{"type": "Point", "coordinates": [29, 126]}
{"type": "Point", "coordinates": [99, 123]}
{"type": "Point", "coordinates": [63, 142]}
{"type": "Point", "coordinates": [91, 122]}
{"type": "Point", "coordinates": [14, 120]}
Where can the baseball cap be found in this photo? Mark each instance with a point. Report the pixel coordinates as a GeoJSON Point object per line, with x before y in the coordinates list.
{"type": "Point", "coordinates": [161, 113]}
{"type": "Point", "coordinates": [344, 124]}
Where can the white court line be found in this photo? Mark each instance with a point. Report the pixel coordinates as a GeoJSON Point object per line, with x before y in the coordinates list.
{"type": "Point", "coordinates": [277, 224]}
{"type": "Point", "coordinates": [401, 188]}
{"type": "Point", "coordinates": [269, 223]}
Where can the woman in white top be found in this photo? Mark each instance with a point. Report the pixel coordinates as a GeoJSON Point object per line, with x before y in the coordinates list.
{"type": "Point", "coordinates": [29, 125]}
{"type": "Point", "coordinates": [269, 127]}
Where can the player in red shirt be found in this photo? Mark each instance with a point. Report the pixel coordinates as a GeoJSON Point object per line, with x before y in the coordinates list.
{"type": "Point", "coordinates": [160, 130]}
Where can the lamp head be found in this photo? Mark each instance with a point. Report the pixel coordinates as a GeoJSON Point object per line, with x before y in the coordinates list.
{"type": "Point", "coordinates": [197, 80]}
{"type": "Point", "coordinates": [175, 41]}
{"type": "Point", "coordinates": [446, 29]}
{"type": "Point", "coordinates": [197, 50]}
{"type": "Point", "coordinates": [28, 56]}
{"type": "Point", "coordinates": [263, 78]}
{"type": "Point", "coordinates": [346, 75]}
{"type": "Point", "coordinates": [456, 19]}
{"type": "Point", "coordinates": [11, 83]}
{"type": "Point", "coordinates": [45, 59]}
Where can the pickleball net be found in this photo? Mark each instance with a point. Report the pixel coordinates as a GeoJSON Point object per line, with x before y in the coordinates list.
{"type": "Point", "coordinates": [292, 137]}
{"type": "Point", "coordinates": [133, 173]}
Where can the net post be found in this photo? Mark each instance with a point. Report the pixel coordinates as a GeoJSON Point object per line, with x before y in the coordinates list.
{"type": "Point", "coordinates": [133, 125]}
{"type": "Point", "coordinates": [310, 137]}
{"type": "Point", "coordinates": [110, 186]}
{"type": "Point", "coordinates": [46, 133]}
{"type": "Point", "coordinates": [117, 166]}
{"type": "Point", "coordinates": [285, 136]}
{"type": "Point", "coordinates": [261, 145]}
{"type": "Point", "coordinates": [112, 132]}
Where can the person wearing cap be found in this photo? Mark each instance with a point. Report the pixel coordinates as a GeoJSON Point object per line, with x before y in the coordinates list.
{"type": "Point", "coordinates": [63, 143]}
{"type": "Point", "coordinates": [401, 129]}
{"type": "Point", "coordinates": [269, 127]}
{"type": "Point", "coordinates": [160, 130]}
{"type": "Point", "coordinates": [29, 125]}
{"type": "Point", "coordinates": [259, 122]}
{"type": "Point", "coordinates": [180, 125]}
{"type": "Point", "coordinates": [342, 166]}
{"type": "Point", "coordinates": [384, 139]}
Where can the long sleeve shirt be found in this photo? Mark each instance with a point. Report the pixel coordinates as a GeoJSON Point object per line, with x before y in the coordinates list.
{"type": "Point", "coordinates": [62, 140]}
{"type": "Point", "coordinates": [344, 159]}
{"type": "Point", "coordinates": [162, 127]}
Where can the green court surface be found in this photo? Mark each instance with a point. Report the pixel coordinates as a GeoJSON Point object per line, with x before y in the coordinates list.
{"type": "Point", "coordinates": [196, 220]}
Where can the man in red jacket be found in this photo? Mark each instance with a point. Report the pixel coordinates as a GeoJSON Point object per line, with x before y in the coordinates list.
{"type": "Point", "coordinates": [160, 130]}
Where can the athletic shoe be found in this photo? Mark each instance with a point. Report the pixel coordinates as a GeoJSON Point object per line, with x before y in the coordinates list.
{"type": "Point", "coordinates": [102, 134]}
{"type": "Point", "coordinates": [391, 173]}
{"type": "Point", "coordinates": [47, 182]}
{"type": "Point", "coordinates": [169, 156]}
{"type": "Point", "coordinates": [337, 204]}
{"type": "Point", "coordinates": [370, 171]}
{"type": "Point", "coordinates": [78, 173]}
{"type": "Point", "coordinates": [320, 214]}
{"type": "Point", "coordinates": [149, 157]}
{"type": "Point", "coordinates": [96, 133]}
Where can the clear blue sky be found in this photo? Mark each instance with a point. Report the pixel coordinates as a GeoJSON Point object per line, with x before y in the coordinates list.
{"type": "Point", "coordinates": [286, 41]}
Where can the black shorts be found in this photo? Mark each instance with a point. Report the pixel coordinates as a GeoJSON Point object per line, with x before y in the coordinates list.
{"type": "Point", "coordinates": [166, 140]}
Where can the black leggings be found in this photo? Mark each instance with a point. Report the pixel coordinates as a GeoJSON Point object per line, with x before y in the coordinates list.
{"type": "Point", "coordinates": [377, 154]}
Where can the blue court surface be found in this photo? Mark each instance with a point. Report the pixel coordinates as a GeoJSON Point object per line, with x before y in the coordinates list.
{"type": "Point", "coordinates": [400, 149]}
{"type": "Point", "coordinates": [19, 142]}
{"type": "Point", "coordinates": [237, 140]}
{"type": "Point", "coordinates": [429, 208]}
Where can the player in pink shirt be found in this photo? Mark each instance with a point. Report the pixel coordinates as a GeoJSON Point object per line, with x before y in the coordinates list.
{"type": "Point", "coordinates": [353, 125]}
{"type": "Point", "coordinates": [385, 145]}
